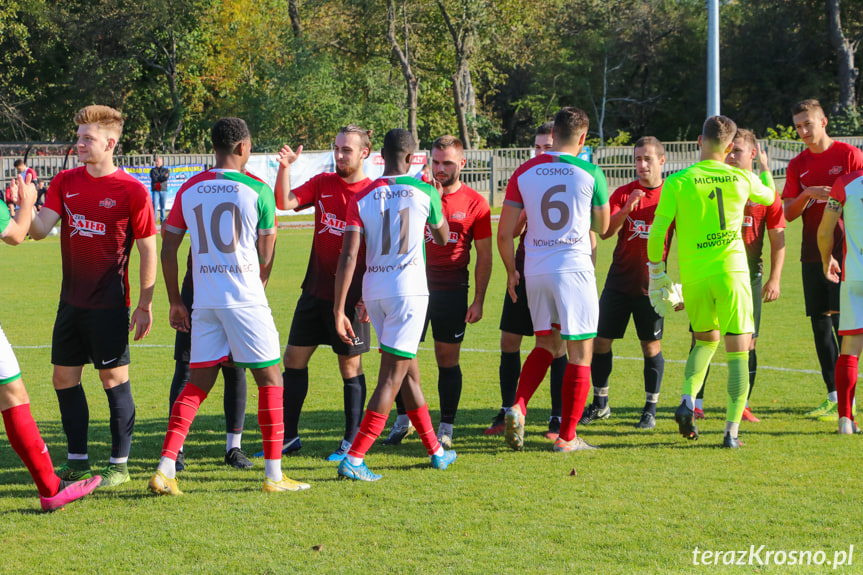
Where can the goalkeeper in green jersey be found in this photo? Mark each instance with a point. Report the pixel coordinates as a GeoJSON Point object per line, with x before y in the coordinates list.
{"type": "Point", "coordinates": [706, 200]}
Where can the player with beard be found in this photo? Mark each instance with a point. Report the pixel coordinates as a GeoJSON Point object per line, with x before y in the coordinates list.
{"type": "Point", "coordinates": [469, 220]}
{"type": "Point", "coordinates": [313, 322]}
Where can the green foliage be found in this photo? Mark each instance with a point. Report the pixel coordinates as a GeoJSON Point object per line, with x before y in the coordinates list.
{"type": "Point", "coordinates": [846, 123]}
{"type": "Point", "coordinates": [635, 66]}
{"type": "Point", "coordinates": [621, 139]}
{"type": "Point", "coordinates": [782, 132]}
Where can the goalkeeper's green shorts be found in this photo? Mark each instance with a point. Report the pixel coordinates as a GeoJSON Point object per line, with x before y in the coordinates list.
{"type": "Point", "coordinates": [721, 302]}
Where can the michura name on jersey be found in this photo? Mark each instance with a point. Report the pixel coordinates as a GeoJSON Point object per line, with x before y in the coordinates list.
{"type": "Point", "coordinates": [717, 179]}
{"type": "Point", "coordinates": [718, 239]}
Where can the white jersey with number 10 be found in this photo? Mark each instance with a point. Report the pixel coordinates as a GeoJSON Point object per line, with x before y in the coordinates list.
{"type": "Point", "coordinates": [392, 215]}
{"type": "Point", "coordinates": [558, 192]}
{"type": "Point", "coordinates": [225, 211]}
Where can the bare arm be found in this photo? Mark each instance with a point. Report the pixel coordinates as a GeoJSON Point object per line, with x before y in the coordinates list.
{"type": "Point", "coordinates": [509, 217]}
{"type": "Point", "coordinates": [440, 233]}
{"type": "Point", "coordinates": [43, 222]}
{"type": "Point", "coordinates": [25, 194]}
{"type": "Point", "coordinates": [285, 198]}
{"type": "Point", "coordinates": [482, 275]}
{"type": "Point", "coordinates": [142, 317]}
{"type": "Point", "coordinates": [617, 219]}
{"type": "Point", "coordinates": [599, 219]}
{"type": "Point", "coordinates": [179, 315]}
{"type": "Point", "coordinates": [794, 206]}
{"type": "Point", "coordinates": [344, 274]}
{"type": "Point", "coordinates": [832, 213]}
{"type": "Point", "coordinates": [770, 291]}
{"type": "Point", "coordinates": [266, 253]}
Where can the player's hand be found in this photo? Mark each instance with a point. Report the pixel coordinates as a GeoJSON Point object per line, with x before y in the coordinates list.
{"type": "Point", "coordinates": [821, 193]}
{"type": "Point", "coordinates": [179, 317]}
{"type": "Point", "coordinates": [24, 190]}
{"type": "Point", "coordinates": [770, 291]}
{"type": "Point", "coordinates": [437, 185]}
{"type": "Point", "coordinates": [287, 156]}
{"type": "Point", "coordinates": [474, 313]}
{"type": "Point", "coordinates": [660, 289]}
{"type": "Point", "coordinates": [634, 200]}
{"type": "Point", "coordinates": [832, 270]}
{"type": "Point", "coordinates": [141, 322]}
{"type": "Point", "coordinates": [511, 282]}
{"type": "Point", "coordinates": [362, 312]}
{"type": "Point", "coordinates": [761, 158]}
{"type": "Point", "coordinates": [343, 328]}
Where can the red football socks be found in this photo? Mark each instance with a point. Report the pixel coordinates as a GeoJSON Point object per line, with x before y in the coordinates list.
{"type": "Point", "coordinates": [422, 421]}
{"type": "Point", "coordinates": [576, 385]}
{"type": "Point", "coordinates": [271, 420]}
{"type": "Point", "coordinates": [182, 415]}
{"type": "Point", "coordinates": [371, 427]}
{"type": "Point", "coordinates": [846, 384]}
{"type": "Point", "coordinates": [532, 373]}
{"type": "Point", "coordinates": [27, 443]}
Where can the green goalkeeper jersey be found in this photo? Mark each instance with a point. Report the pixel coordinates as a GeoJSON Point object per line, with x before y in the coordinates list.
{"type": "Point", "coordinates": [706, 200]}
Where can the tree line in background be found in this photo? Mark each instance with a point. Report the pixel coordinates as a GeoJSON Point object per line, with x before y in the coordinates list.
{"type": "Point", "coordinates": [488, 71]}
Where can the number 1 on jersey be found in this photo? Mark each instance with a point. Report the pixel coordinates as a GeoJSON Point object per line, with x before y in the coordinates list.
{"type": "Point", "coordinates": [720, 205]}
{"type": "Point", "coordinates": [404, 228]}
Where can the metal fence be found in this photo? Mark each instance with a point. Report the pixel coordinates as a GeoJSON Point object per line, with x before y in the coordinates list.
{"type": "Point", "coordinates": [487, 171]}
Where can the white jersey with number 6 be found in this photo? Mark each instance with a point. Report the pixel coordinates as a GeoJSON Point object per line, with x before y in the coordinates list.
{"type": "Point", "coordinates": [558, 192]}
{"type": "Point", "coordinates": [225, 211]}
{"type": "Point", "coordinates": [392, 214]}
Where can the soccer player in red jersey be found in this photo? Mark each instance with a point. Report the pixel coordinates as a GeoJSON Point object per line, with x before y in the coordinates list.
{"type": "Point", "coordinates": [313, 322]}
{"type": "Point", "coordinates": [846, 201]}
{"type": "Point", "coordinates": [231, 220]}
{"type": "Point", "coordinates": [103, 211]}
{"type": "Point", "coordinates": [807, 187]}
{"type": "Point", "coordinates": [469, 220]}
{"type": "Point", "coordinates": [756, 220]}
{"type": "Point", "coordinates": [21, 430]}
{"type": "Point", "coordinates": [391, 216]}
{"type": "Point", "coordinates": [515, 323]}
{"type": "Point", "coordinates": [565, 198]}
{"type": "Point", "coordinates": [625, 293]}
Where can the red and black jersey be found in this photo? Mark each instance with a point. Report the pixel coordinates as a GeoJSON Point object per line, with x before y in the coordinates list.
{"type": "Point", "coordinates": [469, 219]}
{"type": "Point", "coordinates": [100, 218]}
{"type": "Point", "coordinates": [807, 170]}
{"type": "Point", "coordinates": [329, 194]}
{"type": "Point", "coordinates": [628, 272]}
{"type": "Point", "coordinates": [757, 219]}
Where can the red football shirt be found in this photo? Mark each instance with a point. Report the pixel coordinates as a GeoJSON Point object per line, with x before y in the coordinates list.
{"type": "Point", "coordinates": [807, 170]}
{"type": "Point", "coordinates": [628, 272]}
{"type": "Point", "coordinates": [469, 219]}
{"type": "Point", "coordinates": [330, 194]}
{"type": "Point", "coordinates": [100, 218]}
{"type": "Point", "coordinates": [757, 218]}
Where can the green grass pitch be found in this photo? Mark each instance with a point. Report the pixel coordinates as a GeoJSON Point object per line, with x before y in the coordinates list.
{"type": "Point", "coordinates": [640, 504]}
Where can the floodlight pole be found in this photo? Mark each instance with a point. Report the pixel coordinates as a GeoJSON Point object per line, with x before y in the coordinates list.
{"type": "Point", "coordinates": [712, 57]}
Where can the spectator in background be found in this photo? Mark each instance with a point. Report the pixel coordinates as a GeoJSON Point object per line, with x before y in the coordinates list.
{"type": "Point", "coordinates": [159, 187]}
{"type": "Point", "coordinates": [22, 168]}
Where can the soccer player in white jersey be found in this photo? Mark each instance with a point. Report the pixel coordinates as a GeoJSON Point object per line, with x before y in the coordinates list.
{"type": "Point", "coordinates": [846, 202]}
{"type": "Point", "coordinates": [565, 198]}
{"type": "Point", "coordinates": [391, 215]}
{"type": "Point", "coordinates": [231, 221]}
